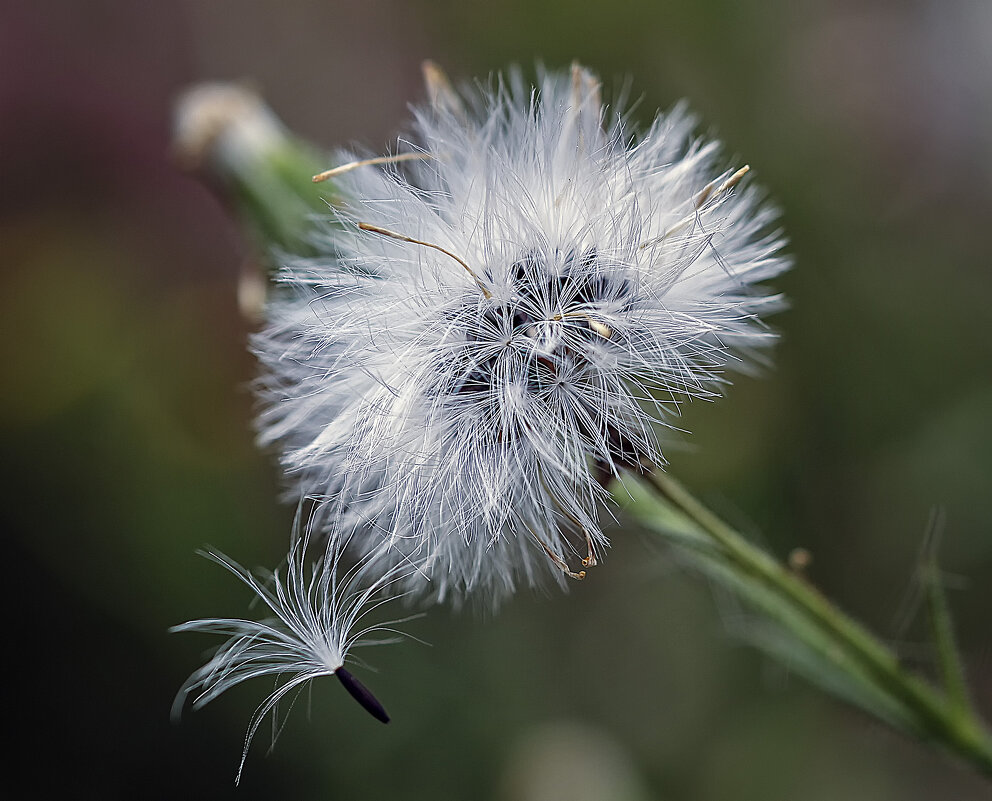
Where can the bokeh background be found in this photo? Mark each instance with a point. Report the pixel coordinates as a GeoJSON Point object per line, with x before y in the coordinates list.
{"type": "Point", "coordinates": [125, 416]}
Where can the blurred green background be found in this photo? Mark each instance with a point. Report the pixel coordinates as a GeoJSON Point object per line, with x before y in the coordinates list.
{"type": "Point", "coordinates": [126, 418]}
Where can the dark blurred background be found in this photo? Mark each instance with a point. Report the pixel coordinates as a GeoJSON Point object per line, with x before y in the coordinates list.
{"type": "Point", "coordinates": [126, 419]}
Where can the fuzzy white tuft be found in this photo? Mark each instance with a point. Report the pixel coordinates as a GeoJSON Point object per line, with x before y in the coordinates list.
{"type": "Point", "coordinates": [318, 611]}
{"type": "Point", "coordinates": [502, 320]}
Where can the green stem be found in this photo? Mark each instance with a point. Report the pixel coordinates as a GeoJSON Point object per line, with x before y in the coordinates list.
{"type": "Point", "coordinates": [227, 134]}
{"type": "Point", "coordinates": [942, 629]}
{"type": "Point", "coordinates": [937, 718]}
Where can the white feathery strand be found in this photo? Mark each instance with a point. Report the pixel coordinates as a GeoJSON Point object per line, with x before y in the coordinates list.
{"type": "Point", "coordinates": [315, 618]}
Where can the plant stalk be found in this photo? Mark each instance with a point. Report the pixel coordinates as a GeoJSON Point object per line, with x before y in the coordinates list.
{"type": "Point", "coordinates": [938, 717]}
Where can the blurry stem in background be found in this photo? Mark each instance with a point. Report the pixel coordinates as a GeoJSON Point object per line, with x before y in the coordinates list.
{"type": "Point", "coordinates": [230, 138]}
{"type": "Point", "coordinates": [229, 135]}
{"type": "Point", "coordinates": [830, 648]}
{"type": "Point", "coordinates": [939, 616]}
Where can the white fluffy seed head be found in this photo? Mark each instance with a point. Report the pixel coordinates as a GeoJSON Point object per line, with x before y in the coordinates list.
{"type": "Point", "coordinates": [503, 320]}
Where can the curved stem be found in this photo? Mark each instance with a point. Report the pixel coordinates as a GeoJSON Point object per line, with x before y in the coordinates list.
{"type": "Point", "coordinates": [937, 718]}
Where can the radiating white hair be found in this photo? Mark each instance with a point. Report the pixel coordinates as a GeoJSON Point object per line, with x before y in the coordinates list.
{"type": "Point", "coordinates": [314, 615]}
{"type": "Point", "coordinates": [506, 311]}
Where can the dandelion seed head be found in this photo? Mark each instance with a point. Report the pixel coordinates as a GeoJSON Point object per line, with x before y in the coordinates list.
{"type": "Point", "coordinates": [501, 319]}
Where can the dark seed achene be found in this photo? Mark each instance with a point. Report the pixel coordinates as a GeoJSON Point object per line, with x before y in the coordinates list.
{"type": "Point", "coordinates": [362, 694]}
